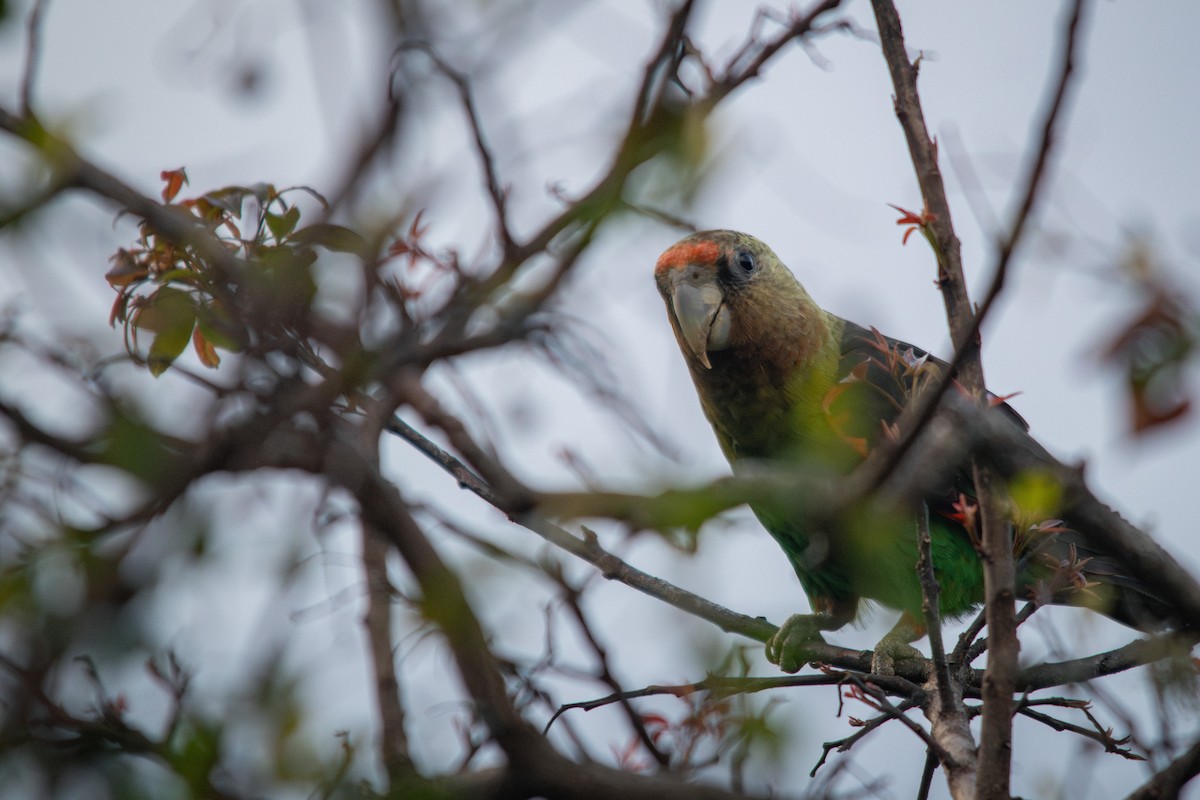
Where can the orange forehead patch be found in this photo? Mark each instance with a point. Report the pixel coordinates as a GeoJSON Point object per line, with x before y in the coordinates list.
{"type": "Point", "coordinates": [688, 252]}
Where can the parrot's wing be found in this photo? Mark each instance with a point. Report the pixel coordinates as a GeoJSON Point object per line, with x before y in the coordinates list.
{"type": "Point", "coordinates": [878, 377]}
{"type": "Point", "coordinates": [896, 371]}
{"type": "Point", "coordinates": [1058, 565]}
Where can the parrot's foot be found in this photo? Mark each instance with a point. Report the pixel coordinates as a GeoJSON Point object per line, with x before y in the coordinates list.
{"type": "Point", "coordinates": [891, 648]}
{"type": "Point", "coordinates": [895, 646]}
{"type": "Point", "coordinates": [787, 649]}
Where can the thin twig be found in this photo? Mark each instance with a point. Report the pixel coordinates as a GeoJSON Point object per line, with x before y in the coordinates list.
{"type": "Point", "coordinates": [1170, 780]}
{"type": "Point", "coordinates": [930, 593]}
{"type": "Point", "coordinates": [1034, 181]}
{"type": "Point", "coordinates": [606, 676]}
{"type": "Point", "coordinates": [872, 690]}
{"type": "Point", "coordinates": [33, 51]}
{"type": "Point", "coordinates": [717, 685]}
{"type": "Point", "coordinates": [378, 624]}
{"type": "Point", "coordinates": [931, 765]}
{"type": "Point", "coordinates": [487, 158]}
{"type": "Point", "coordinates": [733, 77]}
{"type": "Point", "coordinates": [1101, 736]}
{"type": "Point", "coordinates": [843, 745]}
{"type": "Point", "coordinates": [994, 762]}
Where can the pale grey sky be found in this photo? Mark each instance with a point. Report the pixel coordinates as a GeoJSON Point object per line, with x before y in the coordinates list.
{"type": "Point", "coordinates": [807, 159]}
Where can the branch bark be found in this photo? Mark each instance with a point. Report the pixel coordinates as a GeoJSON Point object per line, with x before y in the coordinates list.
{"type": "Point", "coordinates": [999, 572]}
{"type": "Point", "coordinates": [534, 767]}
{"type": "Point", "coordinates": [996, 549]}
{"type": "Point", "coordinates": [1167, 783]}
{"type": "Point", "coordinates": [378, 623]}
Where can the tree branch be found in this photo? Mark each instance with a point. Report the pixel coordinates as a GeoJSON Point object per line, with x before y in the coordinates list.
{"type": "Point", "coordinates": [977, 428]}
{"type": "Point", "coordinates": [1169, 781]}
{"type": "Point", "coordinates": [534, 766]}
{"type": "Point", "coordinates": [378, 623]}
{"type": "Point", "coordinates": [33, 51]}
{"type": "Point", "coordinates": [999, 572]}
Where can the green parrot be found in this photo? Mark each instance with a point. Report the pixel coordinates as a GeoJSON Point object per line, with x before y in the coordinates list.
{"type": "Point", "coordinates": [783, 381]}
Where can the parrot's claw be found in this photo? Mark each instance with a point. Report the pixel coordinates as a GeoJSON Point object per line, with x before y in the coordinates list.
{"type": "Point", "coordinates": [788, 648]}
{"type": "Point", "coordinates": [892, 648]}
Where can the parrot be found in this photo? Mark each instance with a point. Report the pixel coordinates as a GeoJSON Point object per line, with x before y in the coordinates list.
{"type": "Point", "coordinates": [784, 382]}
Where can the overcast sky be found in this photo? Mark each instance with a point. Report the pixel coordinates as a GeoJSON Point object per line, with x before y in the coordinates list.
{"type": "Point", "coordinates": [807, 159]}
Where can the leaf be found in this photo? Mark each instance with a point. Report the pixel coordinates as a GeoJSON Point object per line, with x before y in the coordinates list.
{"type": "Point", "coordinates": [194, 752]}
{"type": "Point", "coordinates": [264, 193]}
{"type": "Point", "coordinates": [282, 287]}
{"type": "Point", "coordinates": [204, 349]}
{"type": "Point", "coordinates": [154, 313]}
{"type": "Point", "coordinates": [175, 179]}
{"type": "Point", "coordinates": [132, 445]}
{"type": "Point", "coordinates": [1037, 495]}
{"type": "Point", "coordinates": [171, 315]}
{"type": "Point", "coordinates": [283, 224]}
{"type": "Point", "coordinates": [228, 199]}
{"type": "Point", "coordinates": [165, 348]}
{"type": "Point", "coordinates": [118, 310]}
{"type": "Point", "coordinates": [125, 270]}
{"type": "Point", "coordinates": [333, 237]}
{"type": "Point", "coordinates": [1153, 350]}
{"type": "Point", "coordinates": [217, 328]}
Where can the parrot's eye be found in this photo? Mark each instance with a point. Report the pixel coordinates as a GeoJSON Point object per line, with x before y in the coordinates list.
{"type": "Point", "coordinates": [745, 260]}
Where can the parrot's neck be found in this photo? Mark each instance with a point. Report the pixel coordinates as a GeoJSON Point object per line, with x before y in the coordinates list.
{"type": "Point", "coordinates": [764, 396]}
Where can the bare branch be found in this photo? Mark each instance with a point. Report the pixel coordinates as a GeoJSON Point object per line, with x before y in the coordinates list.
{"type": "Point", "coordinates": [722, 686]}
{"type": "Point", "coordinates": [33, 52]}
{"type": "Point", "coordinates": [921, 414]}
{"type": "Point", "coordinates": [378, 624]}
{"type": "Point", "coordinates": [487, 159]}
{"type": "Point", "coordinates": [1099, 735]}
{"type": "Point", "coordinates": [1135, 654]}
{"type": "Point", "coordinates": [947, 756]}
{"type": "Point", "coordinates": [533, 764]}
{"type": "Point", "coordinates": [589, 549]}
{"type": "Point", "coordinates": [865, 727]}
{"type": "Point", "coordinates": [729, 492]}
{"type": "Point", "coordinates": [734, 77]}
{"type": "Point", "coordinates": [606, 676]}
{"type": "Point", "coordinates": [930, 594]}
{"type": "Point", "coordinates": [1168, 782]}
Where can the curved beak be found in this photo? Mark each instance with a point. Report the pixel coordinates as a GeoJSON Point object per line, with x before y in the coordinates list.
{"type": "Point", "coordinates": [700, 313]}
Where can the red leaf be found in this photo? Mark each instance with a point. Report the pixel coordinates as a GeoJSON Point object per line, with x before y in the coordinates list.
{"type": "Point", "coordinates": [175, 179]}
{"type": "Point", "coordinates": [125, 270]}
{"type": "Point", "coordinates": [204, 349]}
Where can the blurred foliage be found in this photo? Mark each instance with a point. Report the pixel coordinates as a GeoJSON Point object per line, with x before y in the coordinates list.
{"type": "Point", "coordinates": [96, 704]}
{"type": "Point", "coordinates": [172, 292]}
{"type": "Point", "coordinates": [79, 582]}
{"type": "Point", "coordinates": [1154, 348]}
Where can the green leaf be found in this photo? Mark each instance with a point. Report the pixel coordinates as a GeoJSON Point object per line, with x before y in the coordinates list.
{"type": "Point", "coordinates": [217, 328]}
{"type": "Point", "coordinates": [132, 445]}
{"type": "Point", "coordinates": [334, 237]}
{"type": "Point", "coordinates": [170, 314]}
{"type": "Point", "coordinates": [281, 225]}
{"type": "Point", "coordinates": [282, 287]}
{"type": "Point", "coordinates": [228, 200]}
{"type": "Point", "coordinates": [263, 192]}
{"type": "Point", "coordinates": [194, 753]}
{"type": "Point", "coordinates": [161, 310]}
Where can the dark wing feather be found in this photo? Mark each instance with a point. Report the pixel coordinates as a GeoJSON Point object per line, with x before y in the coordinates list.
{"type": "Point", "coordinates": [880, 376]}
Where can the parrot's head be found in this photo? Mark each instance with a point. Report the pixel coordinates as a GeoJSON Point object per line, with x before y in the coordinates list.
{"type": "Point", "coordinates": [728, 292]}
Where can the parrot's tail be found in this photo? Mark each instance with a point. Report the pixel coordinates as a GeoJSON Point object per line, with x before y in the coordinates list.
{"type": "Point", "coordinates": [1064, 569]}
